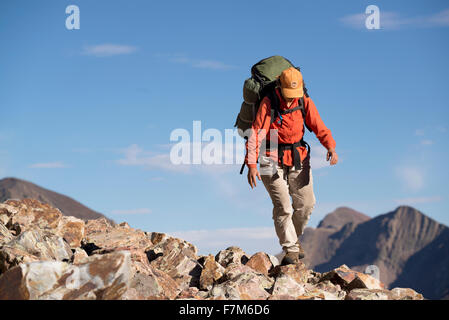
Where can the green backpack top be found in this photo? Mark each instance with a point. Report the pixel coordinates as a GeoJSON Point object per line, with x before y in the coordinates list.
{"type": "Point", "coordinates": [263, 81]}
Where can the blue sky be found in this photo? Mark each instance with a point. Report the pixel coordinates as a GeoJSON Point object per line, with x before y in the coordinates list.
{"type": "Point", "coordinates": [89, 112]}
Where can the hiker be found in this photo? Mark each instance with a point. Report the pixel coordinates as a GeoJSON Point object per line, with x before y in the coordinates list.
{"type": "Point", "coordinates": [286, 172]}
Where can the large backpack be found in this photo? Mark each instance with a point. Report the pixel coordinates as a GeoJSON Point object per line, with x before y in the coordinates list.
{"type": "Point", "coordinates": [263, 82]}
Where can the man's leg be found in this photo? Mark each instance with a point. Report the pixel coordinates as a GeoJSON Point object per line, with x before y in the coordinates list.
{"type": "Point", "coordinates": [277, 188]}
{"type": "Point", "coordinates": [301, 189]}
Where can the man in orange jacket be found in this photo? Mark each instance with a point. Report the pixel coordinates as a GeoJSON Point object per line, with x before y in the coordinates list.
{"type": "Point", "coordinates": [281, 175]}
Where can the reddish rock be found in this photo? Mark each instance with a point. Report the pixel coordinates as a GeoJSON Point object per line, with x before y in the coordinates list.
{"type": "Point", "coordinates": [72, 230]}
{"type": "Point", "coordinates": [103, 277]}
{"type": "Point", "coordinates": [31, 213]}
{"type": "Point", "coordinates": [296, 271]}
{"type": "Point", "coordinates": [231, 255]}
{"type": "Point", "coordinates": [350, 279]}
{"type": "Point", "coordinates": [287, 286]}
{"type": "Point", "coordinates": [191, 293]}
{"type": "Point", "coordinates": [33, 245]}
{"type": "Point", "coordinates": [245, 286]}
{"type": "Point", "coordinates": [260, 262]}
{"type": "Point", "coordinates": [212, 271]}
{"type": "Point", "coordinates": [97, 226]}
{"type": "Point", "coordinates": [368, 294]}
{"type": "Point", "coordinates": [405, 294]}
{"type": "Point", "coordinates": [234, 269]}
{"type": "Point", "coordinates": [5, 234]}
{"type": "Point", "coordinates": [152, 285]}
{"type": "Point", "coordinates": [178, 259]}
{"type": "Point", "coordinates": [107, 237]}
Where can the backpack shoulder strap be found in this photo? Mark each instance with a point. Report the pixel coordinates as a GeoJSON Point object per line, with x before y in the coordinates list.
{"type": "Point", "coordinates": [303, 110]}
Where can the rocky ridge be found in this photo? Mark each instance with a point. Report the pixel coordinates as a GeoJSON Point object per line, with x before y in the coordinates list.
{"type": "Point", "coordinates": [46, 255]}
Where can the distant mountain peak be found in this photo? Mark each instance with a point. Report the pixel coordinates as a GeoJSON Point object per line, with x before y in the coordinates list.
{"type": "Point", "coordinates": [341, 216]}
{"type": "Point", "coordinates": [15, 188]}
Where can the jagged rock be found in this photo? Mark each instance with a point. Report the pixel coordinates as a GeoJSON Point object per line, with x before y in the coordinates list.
{"type": "Point", "coordinates": [260, 262]}
{"type": "Point", "coordinates": [245, 286]}
{"type": "Point", "coordinates": [325, 290]}
{"type": "Point", "coordinates": [350, 279]}
{"type": "Point", "coordinates": [405, 294]}
{"type": "Point", "coordinates": [383, 294]}
{"type": "Point", "coordinates": [72, 230]}
{"type": "Point", "coordinates": [13, 256]}
{"type": "Point", "coordinates": [234, 269]}
{"type": "Point", "coordinates": [33, 245]}
{"type": "Point", "coordinates": [102, 277]}
{"type": "Point", "coordinates": [5, 234]}
{"type": "Point", "coordinates": [231, 255]}
{"type": "Point", "coordinates": [152, 285]}
{"type": "Point", "coordinates": [191, 293]}
{"type": "Point", "coordinates": [365, 281]}
{"type": "Point", "coordinates": [368, 294]}
{"type": "Point", "coordinates": [31, 213]}
{"type": "Point", "coordinates": [97, 226]}
{"type": "Point", "coordinates": [107, 237]}
{"type": "Point", "coordinates": [287, 286]}
{"type": "Point", "coordinates": [212, 271]}
{"type": "Point", "coordinates": [5, 212]}
{"type": "Point", "coordinates": [178, 259]}
{"type": "Point", "coordinates": [296, 271]}
{"type": "Point", "coordinates": [79, 256]}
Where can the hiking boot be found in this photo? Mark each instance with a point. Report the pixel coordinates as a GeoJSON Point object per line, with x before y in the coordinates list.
{"type": "Point", "coordinates": [301, 254]}
{"type": "Point", "coordinates": [290, 258]}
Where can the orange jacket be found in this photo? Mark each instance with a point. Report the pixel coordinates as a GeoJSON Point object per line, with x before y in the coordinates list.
{"type": "Point", "coordinates": [291, 131]}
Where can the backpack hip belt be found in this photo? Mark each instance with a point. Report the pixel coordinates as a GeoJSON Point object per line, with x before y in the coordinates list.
{"type": "Point", "coordinates": [294, 148]}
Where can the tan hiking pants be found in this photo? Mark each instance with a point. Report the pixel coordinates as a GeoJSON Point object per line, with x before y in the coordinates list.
{"type": "Point", "coordinates": [290, 215]}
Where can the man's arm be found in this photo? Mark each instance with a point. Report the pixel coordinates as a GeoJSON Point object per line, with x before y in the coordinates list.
{"type": "Point", "coordinates": [259, 130]}
{"type": "Point", "coordinates": [318, 127]}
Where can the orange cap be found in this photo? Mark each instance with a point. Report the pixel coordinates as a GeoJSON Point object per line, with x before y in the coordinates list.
{"type": "Point", "coordinates": [291, 83]}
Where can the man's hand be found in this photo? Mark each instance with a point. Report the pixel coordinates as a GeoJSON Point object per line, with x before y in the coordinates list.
{"type": "Point", "coordinates": [331, 154]}
{"type": "Point", "coordinates": [252, 174]}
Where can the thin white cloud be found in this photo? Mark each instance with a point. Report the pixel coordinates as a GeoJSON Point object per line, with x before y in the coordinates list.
{"type": "Point", "coordinates": [107, 49]}
{"type": "Point", "coordinates": [411, 177]}
{"type": "Point", "coordinates": [251, 240]}
{"type": "Point", "coordinates": [393, 20]}
{"type": "Point", "coordinates": [419, 132]}
{"type": "Point", "coordinates": [131, 211]}
{"type": "Point", "coordinates": [49, 165]}
{"type": "Point", "coordinates": [427, 142]}
{"type": "Point", "coordinates": [415, 200]}
{"type": "Point", "coordinates": [210, 64]}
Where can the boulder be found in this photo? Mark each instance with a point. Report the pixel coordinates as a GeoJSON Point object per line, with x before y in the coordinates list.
{"type": "Point", "coordinates": [178, 259]}
{"type": "Point", "coordinates": [31, 213]}
{"type": "Point", "coordinates": [153, 285]}
{"type": "Point", "coordinates": [296, 271]}
{"type": "Point", "coordinates": [405, 294]}
{"type": "Point", "coordinates": [5, 234]}
{"type": "Point", "coordinates": [234, 269]}
{"type": "Point", "coordinates": [212, 271]}
{"type": "Point", "coordinates": [33, 245]}
{"type": "Point", "coordinates": [72, 230]}
{"type": "Point", "coordinates": [245, 286]}
{"type": "Point", "coordinates": [260, 262]}
{"type": "Point", "coordinates": [102, 277]}
{"type": "Point", "coordinates": [287, 286]}
{"type": "Point", "coordinates": [231, 255]}
{"type": "Point", "coordinates": [106, 237]}
{"type": "Point", "coordinates": [350, 279]}
{"type": "Point", "coordinates": [368, 294]}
